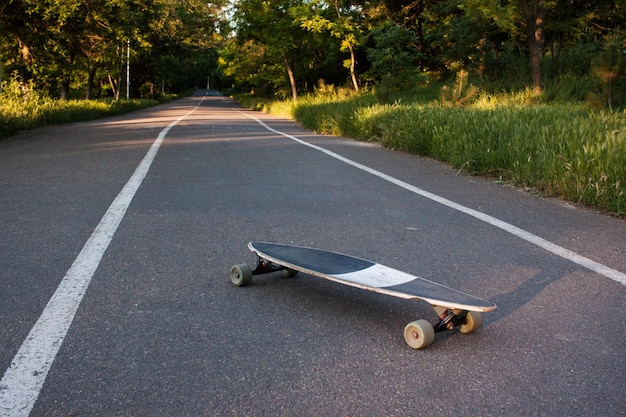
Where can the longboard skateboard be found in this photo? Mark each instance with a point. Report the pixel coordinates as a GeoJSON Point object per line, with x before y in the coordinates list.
{"type": "Point", "coordinates": [454, 308]}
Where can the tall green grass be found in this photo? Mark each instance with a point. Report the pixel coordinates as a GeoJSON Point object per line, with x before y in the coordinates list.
{"type": "Point", "coordinates": [565, 150]}
{"type": "Point", "coordinates": [22, 108]}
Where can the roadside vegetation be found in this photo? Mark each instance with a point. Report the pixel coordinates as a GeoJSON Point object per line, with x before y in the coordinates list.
{"type": "Point", "coordinates": [24, 109]}
{"type": "Point", "coordinates": [529, 92]}
{"type": "Point", "coordinates": [571, 151]}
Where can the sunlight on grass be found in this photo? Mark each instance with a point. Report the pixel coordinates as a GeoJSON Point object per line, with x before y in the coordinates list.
{"type": "Point", "coordinates": [22, 108]}
{"type": "Point", "coordinates": [567, 150]}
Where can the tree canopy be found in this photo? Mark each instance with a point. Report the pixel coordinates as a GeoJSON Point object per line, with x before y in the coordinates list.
{"type": "Point", "coordinates": [285, 47]}
{"type": "Point", "coordinates": [82, 45]}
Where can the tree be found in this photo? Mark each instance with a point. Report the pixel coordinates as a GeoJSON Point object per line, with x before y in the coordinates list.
{"type": "Point", "coordinates": [271, 23]}
{"type": "Point", "coordinates": [44, 33]}
{"type": "Point", "coordinates": [395, 57]}
{"type": "Point", "coordinates": [534, 14]}
{"type": "Point", "coordinates": [247, 65]}
{"type": "Point", "coordinates": [65, 43]}
{"type": "Point", "coordinates": [341, 21]}
{"type": "Point", "coordinates": [519, 18]}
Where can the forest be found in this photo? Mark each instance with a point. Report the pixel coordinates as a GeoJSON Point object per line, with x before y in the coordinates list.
{"type": "Point", "coordinates": [86, 48]}
{"type": "Point", "coordinates": [283, 48]}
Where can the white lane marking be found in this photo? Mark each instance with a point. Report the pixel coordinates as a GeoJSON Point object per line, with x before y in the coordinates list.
{"type": "Point", "coordinates": [23, 380]}
{"type": "Point", "coordinates": [594, 266]}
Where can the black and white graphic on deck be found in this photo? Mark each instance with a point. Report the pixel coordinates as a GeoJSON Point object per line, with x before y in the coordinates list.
{"type": "Point", "coordinates": [367, 275]}
{"type": "Point", "coordinates": [343, 267]}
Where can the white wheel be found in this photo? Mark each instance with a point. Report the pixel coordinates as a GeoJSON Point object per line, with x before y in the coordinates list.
{"type": "Point", "coordinates": [419, 334]}
{"type": "Point", "coordinates": [473, 321]}
{"type": "Point", "coordinates": [241, 275]}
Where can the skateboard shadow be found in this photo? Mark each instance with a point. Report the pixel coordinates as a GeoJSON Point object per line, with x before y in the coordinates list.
{"type": "Point", "coordinates": [508, 303]}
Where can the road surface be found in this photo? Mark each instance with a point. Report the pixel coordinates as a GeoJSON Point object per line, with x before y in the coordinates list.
{"type": "Point", "coordinates": [118, 234]}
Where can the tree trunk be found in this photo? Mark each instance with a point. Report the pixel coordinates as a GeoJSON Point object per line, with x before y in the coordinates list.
{"type": "Point", "coordinates": [355, 82]}
{"type": "Point", "coordinates": [65, 90]}
{"type": "Point", "coordinates": [90, 76]}
{"type": "Point", "coordinates": [114, 86]}
{"type": "Point", "coordinates": [292, 79]}
{"type": "Point", "coordinates": [534, 14]}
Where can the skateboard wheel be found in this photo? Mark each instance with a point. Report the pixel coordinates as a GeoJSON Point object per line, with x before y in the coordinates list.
{"type": "Point", "coordinates": [241, 275]}
{"type": "Point", "coordinates": [419, 334]}
{"type": "Point", "coordinates": [473, 321]}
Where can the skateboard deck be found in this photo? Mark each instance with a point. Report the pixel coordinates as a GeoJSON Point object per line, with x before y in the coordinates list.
{"type": "Point", "coordinates": [454, 308]}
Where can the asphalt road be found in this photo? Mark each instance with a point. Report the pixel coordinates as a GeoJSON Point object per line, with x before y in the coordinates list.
{"type": "Point", "coordinates": [161, 331]}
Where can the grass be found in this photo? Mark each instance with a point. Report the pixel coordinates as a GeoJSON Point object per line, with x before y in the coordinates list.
{"type": "Point", "coordinates": [23, 109]}
{"type": "Point", "coordinates": [571, 151]}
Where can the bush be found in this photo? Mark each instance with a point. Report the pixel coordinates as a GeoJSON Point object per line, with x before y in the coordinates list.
{"type": "Point", "coordinates": [22, 108]}
{"type": "Point", "coordinates": [565, 150]}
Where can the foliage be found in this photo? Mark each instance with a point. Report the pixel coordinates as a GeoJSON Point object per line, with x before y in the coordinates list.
{"type": "Point", "coordinates": [339, 19]}
{"type": "Point", "coordinates": [23, 108]}
{"type": "Point", "coordinates": [76, 47]}
{"type": "Point", "coordinates": [394, 57]}
{"type": "Point", "coordinates": [608, 66]}
{"type": "Point", "coordinates": [283, 48]}
{"type": "Point", "coordinates": [564, 150]}
{"type": "Point", "coordinates": [398, 45]}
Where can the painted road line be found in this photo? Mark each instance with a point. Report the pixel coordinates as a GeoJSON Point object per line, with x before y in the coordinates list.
{"type": "Point", "coordinates": [594, 266]}
{"type": "Point", "coordinates": [23, 380]}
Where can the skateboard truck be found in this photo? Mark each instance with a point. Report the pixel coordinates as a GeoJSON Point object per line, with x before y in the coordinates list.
{"type": "Point", "coordinates": [449, 320]}
{"type": "Point", "coordinates": [241, 275]}
{"type": "Point", "coordinates": [263, 266]}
